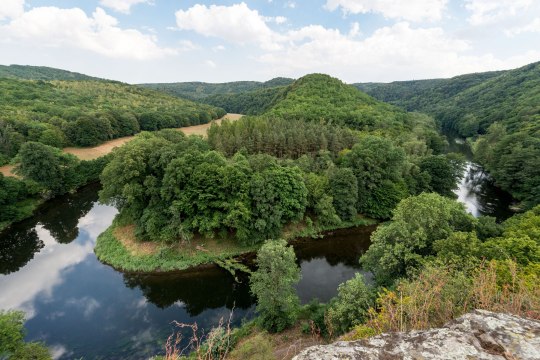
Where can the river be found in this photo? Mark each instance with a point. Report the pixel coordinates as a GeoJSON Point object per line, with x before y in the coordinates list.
{"type": "Point", "coordinates": [82, 308]}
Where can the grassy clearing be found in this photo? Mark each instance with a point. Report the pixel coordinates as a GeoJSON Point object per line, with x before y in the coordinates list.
{"type": "Point", "coordinates": [105, 148]}
{"type": "Point", "coordinates": [118, 247]}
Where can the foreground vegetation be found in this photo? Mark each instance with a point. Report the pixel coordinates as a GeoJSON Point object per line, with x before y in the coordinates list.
{"type": "Point", "coordinates": [465, 264]}
{"type": "Point", "coordinates": [12, 344]}
{"type": "Point", "coordinates": [497, 111]}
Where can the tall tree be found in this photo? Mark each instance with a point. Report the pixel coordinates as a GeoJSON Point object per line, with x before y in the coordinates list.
{"type": "Point", "coordinates": [273, 285]}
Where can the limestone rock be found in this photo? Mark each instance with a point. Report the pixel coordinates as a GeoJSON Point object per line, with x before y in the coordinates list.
{"type": "Point", "coordinates": [477, 335]}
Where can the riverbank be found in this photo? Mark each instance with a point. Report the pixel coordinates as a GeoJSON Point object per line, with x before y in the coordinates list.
{"type": "Point", "coordinates": [29, 206]}
{"type": "Point", "coordinates": [119, 248]}
{"type": "Point", "coordinates": [26, 208]}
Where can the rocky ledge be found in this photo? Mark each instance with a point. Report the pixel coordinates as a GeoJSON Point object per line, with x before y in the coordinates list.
{"type": "Point", "coordinates": [477, 335]}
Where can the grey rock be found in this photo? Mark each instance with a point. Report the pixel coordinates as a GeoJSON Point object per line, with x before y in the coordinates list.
{"type": "Point", "coordinates": [480, 334]}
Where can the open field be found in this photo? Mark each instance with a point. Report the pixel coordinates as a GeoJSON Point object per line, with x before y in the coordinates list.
{"type": "Point", "coordinates": [7, 170]}
{"type": "Point", "coordinates": [105, 148]}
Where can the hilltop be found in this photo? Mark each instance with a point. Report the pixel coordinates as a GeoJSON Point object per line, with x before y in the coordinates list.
{"type": "Point", "coordinates": [202, 90]}
{"type": "Point", "coordinates": [27, 72]}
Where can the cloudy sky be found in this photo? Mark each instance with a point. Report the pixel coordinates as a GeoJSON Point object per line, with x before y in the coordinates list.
{"type": "Point", "coordinates": [355, 40]}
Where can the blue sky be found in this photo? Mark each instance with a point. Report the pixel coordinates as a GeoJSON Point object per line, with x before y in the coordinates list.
{"type": "Point", "coordinates": [216, 41]}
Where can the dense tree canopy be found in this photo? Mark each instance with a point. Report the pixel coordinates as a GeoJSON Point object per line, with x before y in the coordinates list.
{"type": "Point", "coordinates": [204, 91]}
{"type": "Point", "coordinates": [399, 247]}
{"type": "Point", "coordinates": [86, 113]}
{"type": "Point", "coordinates": [499, 110]}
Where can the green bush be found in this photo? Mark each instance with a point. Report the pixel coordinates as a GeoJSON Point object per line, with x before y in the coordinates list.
{"type": "Point", "coordinates": [351, 305]}
{"type": "Point", "coordinates": [12, 345]}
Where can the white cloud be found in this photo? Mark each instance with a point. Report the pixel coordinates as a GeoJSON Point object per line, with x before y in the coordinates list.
{"type": "Point", "coordinates": [123, 6]}
{"type": "Point", "coordinates": [532, 27]}
{"type": "Point", "coordinates": [236, 23]}
{"type": "Point", "coordinates": [490, 11]}
{"type": "Point", "coordinates": [54, 27]}
{"type": "Point", "coordinates": [10, 9]}
{"type": "Point", "coordinates": [397, 52]}
{"type": "Point", "coordinates": [355, 30]}
{"type": "Point", "coordinates": [210, 63]}
{"type": "Point", "coordinates": [290, 4]}
{"type": "Point", "coordinates": [411, 10]}
{"type": "Point", "coordinates": [86, 304]}
{"type": "Point", "coordinates": [276, 19]}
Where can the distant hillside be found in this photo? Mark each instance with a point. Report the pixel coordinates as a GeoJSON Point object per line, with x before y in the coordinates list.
{"type": "Point", "coordinates": [421, 95]}
{"type": "Point", "coordinates": [321, 97]}
{"type": "Point", "coordinates": [86, 113]}
{"type": "Point", "coordinates": [201, 90]}
{"type": "Point", "coordinates": [28, 72]}
{"type": "Point", "coordinates": [499, 111]}
{"type": "Point", "coordinates": [253, 102]}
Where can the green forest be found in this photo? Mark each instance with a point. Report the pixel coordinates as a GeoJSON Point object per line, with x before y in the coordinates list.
{"type": "Point", "coordinates": [256, 175]}
{"type": "Point", "coordinates": [311, 155]}
{"type": "Point", "coordinates": [86, 113]}
{"type": "Point", "coordinates": [201, 91]}
{"type": "Point", "coordinates": [38, 118]}
{"type": "Point", "coordinates": [499, 112]}
{"type": "Point", "coordinates": [27, 72]}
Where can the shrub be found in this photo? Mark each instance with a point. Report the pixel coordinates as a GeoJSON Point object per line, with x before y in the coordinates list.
{"type": "Point", "coordinates": [351, 305]}
{"type": "Point", "coordinates": [258, 347]}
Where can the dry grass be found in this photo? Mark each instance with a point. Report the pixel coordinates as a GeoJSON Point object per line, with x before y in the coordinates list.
{"type": "Point", "coordinates": [292, 341]}
{"type": "Point", "coordinates": [440, 294]}
{"type": "Point", "coordinates": [97, 151]}
{"type": "Point", "coordinates": [105, 148]}
{"type": "Point", "coordinates": [7, 170]}
{"type": "Point", "coordinates": [126, 236]}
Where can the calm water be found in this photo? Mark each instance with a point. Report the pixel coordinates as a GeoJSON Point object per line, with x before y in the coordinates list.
{"type": "Point", "coordinates": [82, 308]}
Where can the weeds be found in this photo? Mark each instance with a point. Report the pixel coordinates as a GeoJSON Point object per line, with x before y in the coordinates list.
{"type": "Point", "coordinates": [214, 346]}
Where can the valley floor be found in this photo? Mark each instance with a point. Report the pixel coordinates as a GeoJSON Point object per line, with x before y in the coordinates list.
{"type": "Point", "coordinates": [105, 148]}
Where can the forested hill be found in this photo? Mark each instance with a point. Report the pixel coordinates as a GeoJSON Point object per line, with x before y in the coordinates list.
{"type": "Point", "coordinates": [499, 111]}
{"type": "Point", "coordinates": [315, 97]}
{"type": "Point", "coordinates": [469, 103]}
{"type": "Point", "coordinates": [28, 72]}
{"type": "Point", "coordinates": [422, 95]}
{"type": "Point", "coordinates": [201, 90]}
{"type": "Point", "coordinates": [322, 97]}
{"type": "Point", "coordinates": [86, 113]}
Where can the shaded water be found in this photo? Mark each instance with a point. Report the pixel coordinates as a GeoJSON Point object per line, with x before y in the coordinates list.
{"type": "Point", "coordinates": [82, 308]}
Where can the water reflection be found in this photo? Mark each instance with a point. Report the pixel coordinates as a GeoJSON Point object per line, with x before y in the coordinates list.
{"type": "Point", "coordinates": [82, 308]}
{"type": "Point", "coordinates": [208, 289]}
{"type": "Point", "coordinates": [56, 221]}
{"type": "Point", "coordinates": [326, 263]}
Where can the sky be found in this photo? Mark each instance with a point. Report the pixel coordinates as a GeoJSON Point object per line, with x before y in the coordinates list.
{"type": "Point", "coordinates": [138, 41]}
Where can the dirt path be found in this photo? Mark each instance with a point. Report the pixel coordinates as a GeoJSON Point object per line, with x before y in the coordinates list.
{"type": "Point", "coordinates": [106, 147]}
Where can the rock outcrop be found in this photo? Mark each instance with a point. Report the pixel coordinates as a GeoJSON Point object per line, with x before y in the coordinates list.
{"type": "Point", "coordinates": [477, 335]}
